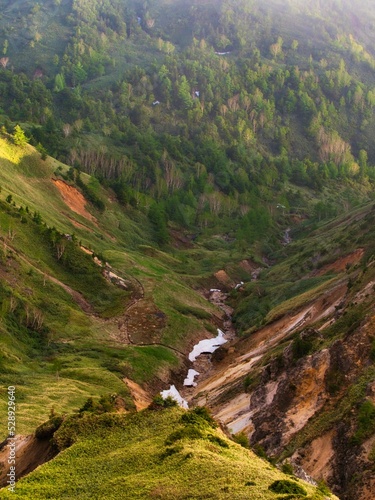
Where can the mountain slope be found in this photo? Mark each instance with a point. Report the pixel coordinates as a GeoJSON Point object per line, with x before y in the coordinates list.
{"type": "Point", "coordinates": [72, 325]}
{"type": "Point", "coordinates": [306, 376]}
{"type": "Point", "coordinates": [193, 146]}
{"type": "Point", "coordinates": [167, 454]}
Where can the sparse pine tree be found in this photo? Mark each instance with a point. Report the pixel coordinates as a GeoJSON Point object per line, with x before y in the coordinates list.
{"type": "Point", "coordinates": [19, 137]}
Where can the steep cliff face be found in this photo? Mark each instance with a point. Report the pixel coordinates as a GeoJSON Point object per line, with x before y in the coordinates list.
{"type": "Point", "coordinates": [312, 406]}
{"type": "Point", "coordinates": [302, 388]}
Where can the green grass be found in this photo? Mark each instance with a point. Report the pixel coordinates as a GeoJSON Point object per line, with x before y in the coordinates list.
{"type": "Point", "coordinates": [299, 300]}
{"type": "Point", "coordinates": [36, 394]}
{"type": "Point", "coordinates": [128, 457]}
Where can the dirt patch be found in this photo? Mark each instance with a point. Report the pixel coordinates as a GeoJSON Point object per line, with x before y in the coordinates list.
{"type": "Point", "coordinates": [224, 279]}
{"type": "Point", "coordinates": [86, 250]}
{"type": "Point", "coordinates": [144, 323]}
{"type": "Point", "coordinates": [367, 491]}
{"type": "Point", "coordinates": [310, 394]}
{"type": "Point", "coordinates": [140, 397]}
{"type": "Point", "coordinates": [248, 265]}
{"type": "Point", "coordinates": [316, 458]}
{"type": "Point", "coordinates": [30, 453]}
{"type": "Point", "coordinates": [180, 240]}
{"type": "Point", "coordinates": [340, 264]}
{"type": "Point", "coordinates": [74, 199]}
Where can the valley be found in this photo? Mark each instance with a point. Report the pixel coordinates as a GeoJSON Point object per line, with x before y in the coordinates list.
{"type": "Point", "coordinates": [187, 202]}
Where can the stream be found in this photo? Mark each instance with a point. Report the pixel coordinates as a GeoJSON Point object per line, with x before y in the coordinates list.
{"type": "Point", "coordinates": [200, 356]}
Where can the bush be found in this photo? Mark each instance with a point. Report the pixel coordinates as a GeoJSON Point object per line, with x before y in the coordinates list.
{"type": "Point", "coordinates": [287, 468]}
{"type": "Point", "coordinates": [159, 403]}
{"type": "Point", "coordinates": [366, 422]}
{"type": "Point", "coordinates": [47, 429]}
{"type": "Point", "coordinates": [241, 439]}
{"type": "Point", "coordinates": [188, 432]}
{"type": "Point", "coordinates": [104, 405]}
{"type": "Point", "coordinates": [260, 451]}
{"type": "Point", "coordinates": [171, 450]}
{"type": "Point", "coordinates": [287, 486]}
{"type": "Point", "coordinates": [218, 440]}
{"type": "Point", "coordinates": [198, 416]}
{"type": "Point", "coordinates": [323, 487]}
{"type": "Point", "coordinates": [84, 424]}
{"type": "Point", "coordinates": [301, 347]}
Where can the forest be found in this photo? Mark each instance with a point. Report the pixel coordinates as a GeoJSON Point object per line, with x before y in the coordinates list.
{"type": "Point", "coordinates": [206, 116]}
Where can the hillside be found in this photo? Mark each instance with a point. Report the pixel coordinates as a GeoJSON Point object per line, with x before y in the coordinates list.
{"type": "Point", "coordinates": [185, 106]}
{"type": "Point", "coordinates": [299, 382]}
{"type": "Point", "coordinates": [168, 169]}
{"type": "Point", "coordinates": [71, 325]}
{"type": "Point", "coordinates": [169, 454]}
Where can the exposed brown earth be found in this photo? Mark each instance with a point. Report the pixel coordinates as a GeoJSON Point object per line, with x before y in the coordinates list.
{"type": "Point", "coordinates": [289, 394]}
{"type": "Point", "coordinates": [74, 199]}
{"type": "Point", "coordinates": [30, 453]}
{"type": "Point", "coordinates": [341, 264]}
{"type": "Point", "coordinates": [141, 398]}
{"type": "Point", "coordinates": [317, 457]}
{"type": "Point", "coordinates": [144, 322]}
{"type": "Point", "coordinates": [224, 279]}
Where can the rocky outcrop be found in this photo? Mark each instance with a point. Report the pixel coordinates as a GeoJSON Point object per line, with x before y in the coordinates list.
{"type": "Point", "coordinates": [297, 388]}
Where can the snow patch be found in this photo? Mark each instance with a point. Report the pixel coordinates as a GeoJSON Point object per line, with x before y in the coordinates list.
{"type": "Point", "coordinates": [207, 345]}
{"type": "Point", "coordinates": [189, 381]}
{"type": "Point", "coordinates": [174, 394]}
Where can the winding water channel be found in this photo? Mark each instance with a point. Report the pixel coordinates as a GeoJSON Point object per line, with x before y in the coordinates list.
{"type": "Point", "coordinates": [205, 347]}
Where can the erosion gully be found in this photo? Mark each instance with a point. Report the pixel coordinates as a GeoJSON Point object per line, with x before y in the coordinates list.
{"type": "Point", "coordinates": [200, 356]}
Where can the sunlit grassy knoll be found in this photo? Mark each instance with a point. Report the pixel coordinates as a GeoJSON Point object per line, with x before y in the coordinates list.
{"type": "Point", "coordinates": [38, 392]}
{"type": "Point", "coordinates": [129, 457]}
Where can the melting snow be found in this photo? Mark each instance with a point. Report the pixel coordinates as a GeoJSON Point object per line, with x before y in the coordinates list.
{"type": "Point", "coordinates": [189, 381]}
{"type": "Point", "coordinates": [207, 345]}
{"type": "Point", "coordinates": [174, 394]}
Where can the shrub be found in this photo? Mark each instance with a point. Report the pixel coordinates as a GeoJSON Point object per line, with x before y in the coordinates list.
{"type": "Point", "coordinates": [287, 486]}
{"type": "Point", "coordinates": [287, 468]}
{"type": "Point", "coordinates": [241, 439]}
{"type": "Point", "coordinates": [105, 404]}
{"type": "Point", "coordinates": [301, 347]}
{"type": "Point", "coordinates": [218, 440]}
{"type": "Point", "coordinates": [159, 403]}
{"type": "Point", "coordinates": [366, 422]}
{"type": "Point", "coordinates": [84, 424]}
{"type": "Point", "coordinates": [188, 432]}
{"type": "Point", "coordinates": [260, 451]}
{"type": "Point", "coordinates": [171, 450]}
{"type": "Point", "coordinates": [323, 487]}
{"type": "Point", "coordinates": [198, 416]}
{"type": "Point", "coordinates": [47, 429]}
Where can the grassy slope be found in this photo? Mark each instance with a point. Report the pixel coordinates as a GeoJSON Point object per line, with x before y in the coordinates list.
{"type": "Point", "coordinates": [80, 354]}
{"type": "Point", "coordinates": [131, 460]}
{"type": "Point", "coordinates": [306, 267]}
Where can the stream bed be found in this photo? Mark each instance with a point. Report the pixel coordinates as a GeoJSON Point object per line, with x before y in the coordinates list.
{"type": "Point", "coordinates": [200, 356]}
